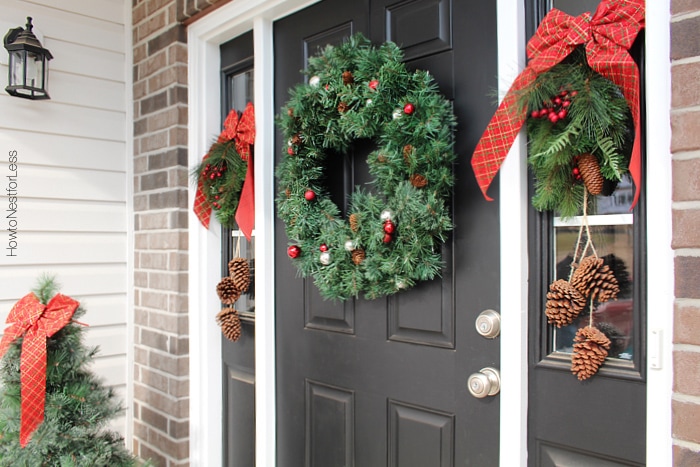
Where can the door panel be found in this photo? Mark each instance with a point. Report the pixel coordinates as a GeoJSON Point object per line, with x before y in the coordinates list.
{"type": "Point", "coordinates": [384, 382]}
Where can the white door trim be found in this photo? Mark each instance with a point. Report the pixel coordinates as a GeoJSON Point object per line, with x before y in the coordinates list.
{"type": "Point", "coordinates": [239, 16]}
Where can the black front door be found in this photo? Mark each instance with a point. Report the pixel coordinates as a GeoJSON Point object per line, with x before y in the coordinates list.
{"type": "Point", "coordinates": [384, 382]}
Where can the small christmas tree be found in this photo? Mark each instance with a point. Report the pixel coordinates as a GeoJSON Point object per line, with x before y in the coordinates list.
{"type": "Point", "coordinates": [78, 406]}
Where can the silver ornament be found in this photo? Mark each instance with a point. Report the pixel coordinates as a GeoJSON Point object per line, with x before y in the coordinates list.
{"type": "Point", "coordinates": [314, 81]}
{"type": "Point", "coordinates": [368, 102]}
{"type": "Point", "coordinates": [386, 215]}
{"type": "Point", "coordinates": [397, 114]}
{"type": "Point", "coordinates": [400, 284]}
{"type": "Point", "coordinates": [325, 258]}
{"type": "Point", "coordinates": [349, 245]}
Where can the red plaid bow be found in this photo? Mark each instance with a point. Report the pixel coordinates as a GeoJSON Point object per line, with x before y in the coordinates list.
{"type": "Point", "coordinates": [36, 322]}
{"type": "Point", "coordinates": [243, 132]}
{"type": "Point", "coordinates": [607, 36]}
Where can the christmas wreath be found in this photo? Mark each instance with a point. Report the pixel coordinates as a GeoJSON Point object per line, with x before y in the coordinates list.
{"type": "Point", "coordinates": [388, 241]}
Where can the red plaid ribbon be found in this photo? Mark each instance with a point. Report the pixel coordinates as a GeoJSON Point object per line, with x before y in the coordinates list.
{"type": "Point", "coordinates": [607, 36]}
{"type": "Point", "coordinates": [243, 132]}
{"type": "Point", "coordinates": [36, 322]}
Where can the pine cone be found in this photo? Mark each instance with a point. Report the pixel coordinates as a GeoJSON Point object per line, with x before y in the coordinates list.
{"type": "Point", "coordinates": [288, 192]}
{"type": "Point", "coordinates": [227, 291]}
{"type": "Point", "coordinates": [418, 180]}
{"type": "Point", "coordinates": [230, 323]}
{"type": "Point", "coordinates": [342, 107]}
{"type": "Point", "coordinates": [564, 303]}
{"type": "Point", "coordinates": [354, 221]}
{"type": "Point", "coordinates": [358, 256]}
{"type": "Point", "coordinates": [290, 111]}
{"type": "Point", "coordinates": [381, 158]}
{"type": "Point", "coordinates": [595, 280]}
{"type": "Point", "coordinates": [348, 78]}
{"type": "Point", "coordinates": [240, 273]}
{"type": "Point", "coordinates": [590, 350]}
{"type": "Point", "coordinates": [407, 153]}
{"type": "Point", "coordinates": [296, 139]}
{"type": "Point", "coordinates": [590, 172]}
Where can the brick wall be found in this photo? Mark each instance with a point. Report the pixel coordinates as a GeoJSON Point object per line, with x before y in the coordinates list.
{"type": "Point", "coordinates": [161, 369]}
{"type": "Point", "coordinates": [685, 146]}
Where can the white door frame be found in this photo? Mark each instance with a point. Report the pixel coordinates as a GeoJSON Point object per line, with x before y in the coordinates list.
{"type": "Point", "coordinates": [206, 411]}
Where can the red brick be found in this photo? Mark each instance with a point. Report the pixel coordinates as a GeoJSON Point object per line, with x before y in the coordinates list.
{"type": "Point", "coordinates": [686, 228]}
{"type": "Point", "coordinates": [684, 38]}
{"type": "Point", "coordinates": [686, 421]}
{"type": "Point", "coordinates": [684, 6]}
{"type": "Point", "coordinates": [686, 371]}
{"type": "Point", "coordinates": [684, 89]}
{"type": "Point", "coordinates": [686, 324]}
{"type": "Point", "coordinates": [150, 26]}
{"type": "Point", "coordinates": [684, 457]}
{"type": "Point", "coordinates": [686, 180]}
{"type": "Point", "coordinates": [687, 273]}
{"type": "Point", "coordinates": [685, 129]}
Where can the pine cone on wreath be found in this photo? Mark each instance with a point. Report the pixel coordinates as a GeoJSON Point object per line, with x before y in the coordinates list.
{"type": "Point", "coordinates": [227, 291]}
{"type": "Point", "coordinates": [590, 350]}
{"type": "Point", "coordinates": [358, 256]}
{"type": "Point", "coordinates": [230, 323]}
{"type": "Point", "coordinates": [343, 107]}
{"type": "Point", "coordinates": [348, 78]}
{"type": "Point", "coordinates": [418, 180]}
{"type": "Point", "coordinates": [239, 270]}
{"type": "Point", "coordinates": [564, 303]}
{"type": "Point", "coordinates": [354, 221]}
{"type": "Point", "coordinates": [590, 172]}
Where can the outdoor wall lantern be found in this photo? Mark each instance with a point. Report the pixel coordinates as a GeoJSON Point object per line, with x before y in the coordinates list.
{"type": "Point", "coordinates": [28, 74]}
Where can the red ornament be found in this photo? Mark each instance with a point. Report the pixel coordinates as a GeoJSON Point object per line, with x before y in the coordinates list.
{"type": "Point", "coordinates": [293, 251]}
{"type": "Point", "coordinates": [554, 118]}
{"type": "Point", "coordinates": [388, 238]}
{"type": "Point", "coordinates": [373, 84]}
{"type": "Point", "coordinates": [389, 227]}
{"type": "Point", "coordinates": [310, 195]}
{"type": "Point", "coordinates": [290, 151]}
{"type": "Point", "coordinates": [323, 247]}
{"type": "Point", "coordinates": [408, 108]}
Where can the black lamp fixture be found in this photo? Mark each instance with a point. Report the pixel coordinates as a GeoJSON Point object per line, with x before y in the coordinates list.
{"type": "Point", "coordinates": [28, 75]}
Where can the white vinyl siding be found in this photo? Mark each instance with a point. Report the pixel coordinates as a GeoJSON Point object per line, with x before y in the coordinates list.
{"type": "Point", "coordinates": [73, 171]}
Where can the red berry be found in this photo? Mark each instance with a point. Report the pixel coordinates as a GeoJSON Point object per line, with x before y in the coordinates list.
{"type": "Point", "coordinates": [211, 177]}
{"type": "Point", "coordinates": [323, 247]}
{"type": "Point", "coordinates": [310, 195]}
{"type": "Point", "coordinates": [290, 151]}
{"type": "Point", "coordinates": [564, 93]}
{"type": "Point", "coordinates": [566, 103]}
{"type": "Point", "coordinates": [557, 100]}
{"type": "Point", "coordinates": [373, 84]}
{"type": "Point", "coordinates": [408, 108]}
{"type": "Point", "coordinates": [387, 238]}
{"type": "Point", "coordinates": [574, 93]}
{"type": "Point", "coordinates": [554, 118]}
{"type": "Point", "coordinates": [575, 171]}
{"type": "Point", "coordinates": [327, 87]}
{"type": "Point", "coordinates": [216, 196]}
{"type": "Point", "coordinates": [535, 113]}
{"type": "Point", "coordinates": [293, 251]}
{"type": "Point", "coordinates": [218, 174]}
{"type": "Point", "coordinates": [562, 114]}
{"type": "Point", "coordinates": [389, 227]}
{"type": "Point", "coordinates": [543, 112]}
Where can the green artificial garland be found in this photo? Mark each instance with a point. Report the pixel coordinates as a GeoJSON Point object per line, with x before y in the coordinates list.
{"type": "Point", "coordinates": [574, 111]}
{"type": "Point", "coordinates": [389, 241]}
{"type": "Point", "coordinates": [222, 174]}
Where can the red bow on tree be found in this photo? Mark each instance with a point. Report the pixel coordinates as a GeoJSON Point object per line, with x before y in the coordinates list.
{"type": "Point", "coordinates": [607, 36]}
{"type": "Point", "coordinates": [36, 322]}
{"type": "Point", "coordinates": [243, 132]}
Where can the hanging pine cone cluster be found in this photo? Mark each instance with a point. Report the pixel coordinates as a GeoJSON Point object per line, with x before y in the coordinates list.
{"type": "Point", "coordinates": [564, 303]}
{"type": "Point", "coordinates": [230, 323]}
{"type": "Point", "coordinates": [229, 289]}
{"type": "Point", "coordinates": [589, 169]}
{"type": "Point", "coordinates": [595, 280]}
{"type": "Point", "coordinates": [590, 350]}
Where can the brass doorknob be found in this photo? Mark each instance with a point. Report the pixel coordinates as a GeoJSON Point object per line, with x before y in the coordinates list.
{"type": "Point", "coordinates": [487, 382]}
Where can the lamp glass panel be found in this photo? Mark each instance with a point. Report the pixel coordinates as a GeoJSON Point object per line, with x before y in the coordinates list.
{"type": "Point", "coordinates": [17, 68]}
